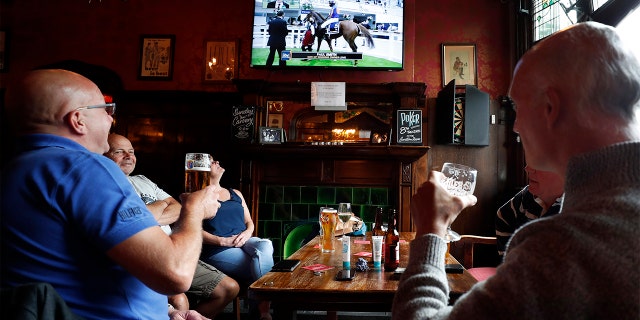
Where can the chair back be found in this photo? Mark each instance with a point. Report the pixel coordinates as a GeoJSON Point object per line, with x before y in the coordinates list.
{"type": "Point", "coordinates": [296, 239]}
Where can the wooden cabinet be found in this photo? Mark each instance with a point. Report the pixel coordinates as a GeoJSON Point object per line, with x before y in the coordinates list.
{"type": "Point", "coordinates": [462, 116]}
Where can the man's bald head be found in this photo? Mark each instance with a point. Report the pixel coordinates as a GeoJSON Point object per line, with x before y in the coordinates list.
{"type": "Point", "coordinates": [43, 97]}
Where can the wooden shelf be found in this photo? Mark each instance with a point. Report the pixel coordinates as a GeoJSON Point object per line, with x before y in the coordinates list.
{"type": "Point", "coordinates": [351, 152]}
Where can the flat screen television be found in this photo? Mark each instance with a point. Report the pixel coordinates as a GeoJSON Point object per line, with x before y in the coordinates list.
{"type": "Point", "coordinates": [376, 27]}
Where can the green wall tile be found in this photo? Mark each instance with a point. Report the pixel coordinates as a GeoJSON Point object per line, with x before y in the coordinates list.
{"type": "Point", "coordinates": [308, 195]}
{"type": "Point", "coordinates": [344, 195]}
{"type": "Point", "coordinates": [284, 207]}
{"type": "Point", "coordinates": [274, 194]}
{"type": "Point", "coordinates": [272, 229]}
{"type": "Point", "coordinates": [291, 194]}
{"type": "Point", "coordinates": [361, 195]}
{"type": "Point", "coordinates": [300, 211]}
{"type": "Point", "coordinates": [266, 211]}
{"type": "Point", "coordinates": [326, 195]}
{"type": "Point", "coordinates": [357, 209]}
{"type": "Point", "coordinates": [282, 211]}
{"type": "Point", "coordinates": [379, 196]}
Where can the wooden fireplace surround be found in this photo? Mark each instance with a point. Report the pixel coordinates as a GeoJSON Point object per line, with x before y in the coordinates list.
{"type": "Point", "coordinates": [400, 168]}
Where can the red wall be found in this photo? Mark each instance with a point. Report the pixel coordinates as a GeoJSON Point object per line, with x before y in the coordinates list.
{"type": "Point", "coordinates": [107, 32]}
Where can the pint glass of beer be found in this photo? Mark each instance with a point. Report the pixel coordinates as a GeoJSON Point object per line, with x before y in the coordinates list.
{"type": "Point", "coordinates": [328, 223]}
{"type": "Point", "coordinates": [197, 170]}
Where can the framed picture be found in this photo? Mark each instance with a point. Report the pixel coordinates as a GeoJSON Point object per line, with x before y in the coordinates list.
{"type": "Point", "coordinates": [220, 61]}
{"type": "Point", "coordinates": [3, 51]}
{"type": "Point", "coordinates": [156, 57]}
{"type": "Point", "coordinates": [269, 135]}
{"type": "Point", "coordinates": [459, 62]}
{"type": "Point", "coordinates": [275, 120]}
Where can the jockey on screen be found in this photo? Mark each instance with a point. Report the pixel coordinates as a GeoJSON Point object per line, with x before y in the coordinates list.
{"type": "Point", "coordinates": [333, 16]}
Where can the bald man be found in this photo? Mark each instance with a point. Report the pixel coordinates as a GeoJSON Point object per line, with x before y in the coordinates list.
{"type": "Point", "coordinates": [71, 218]}
{"type": "Point", "coordinates": [211, 290]}
{"type": "Point", "coordinates": [577, 101]}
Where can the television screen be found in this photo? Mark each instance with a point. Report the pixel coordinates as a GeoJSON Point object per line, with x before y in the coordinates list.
{"type": "Point", "coordinates": [354, 34]}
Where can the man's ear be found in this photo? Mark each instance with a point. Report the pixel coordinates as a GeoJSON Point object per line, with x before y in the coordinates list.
{"type": "Point", "coordinates": [76, 123]}
{"type": "Point", "coordinates": [552, 107]}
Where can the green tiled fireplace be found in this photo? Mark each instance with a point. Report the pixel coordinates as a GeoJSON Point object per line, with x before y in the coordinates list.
{"type": "Point", "coordinates": [281, 208]}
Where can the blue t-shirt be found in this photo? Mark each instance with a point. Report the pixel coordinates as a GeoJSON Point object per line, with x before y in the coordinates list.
{"type": "Point", "coordinates": [63, 207]}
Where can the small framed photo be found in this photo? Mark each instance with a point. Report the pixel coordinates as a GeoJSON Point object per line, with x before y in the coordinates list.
{"type": "Point", "coordinates": [459, 62]}
{"type": "Point", "coordinates": [275, 120]}
{"type": "Point", "coordinates": [268, 135]}
{"type": "Point", "coordinates": [220, 61]}
{"type": "Point", "coordinates": [156, 57]}
{"type": "Point", "coordinates": [379, 137]}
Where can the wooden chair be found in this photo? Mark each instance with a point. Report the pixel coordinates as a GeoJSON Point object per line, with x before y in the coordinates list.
{"type": "Point", "coordinates": [295, 239]}
{"type": "Point", "coordinates": [467, 243]}
{"type": "Point", "coordinates": [242, 295]}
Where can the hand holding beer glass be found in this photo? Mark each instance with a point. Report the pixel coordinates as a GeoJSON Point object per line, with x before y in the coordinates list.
{"type": "Point", "coordinates": [197, 171]}
{"type": "Point", "coordinates": [328, 223]}
{"type": "Point", "coordinates": [459, 180]}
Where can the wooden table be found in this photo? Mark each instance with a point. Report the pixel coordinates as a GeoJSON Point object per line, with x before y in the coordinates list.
{"type": "Point", "coordinates": [370, 291]}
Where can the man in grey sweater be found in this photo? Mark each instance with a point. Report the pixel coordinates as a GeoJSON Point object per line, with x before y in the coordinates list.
{"type": "Point", "coordinates": [577, 98]}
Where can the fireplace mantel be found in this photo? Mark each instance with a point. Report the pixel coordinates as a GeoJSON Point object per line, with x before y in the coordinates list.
{"type": "Point", "coordinates": [400, 168]}
{"type": "Point", "coordinates": [354, 152]}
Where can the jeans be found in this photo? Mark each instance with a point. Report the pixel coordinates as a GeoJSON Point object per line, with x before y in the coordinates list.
{"type": "Point", "coordinates": [245, 264]}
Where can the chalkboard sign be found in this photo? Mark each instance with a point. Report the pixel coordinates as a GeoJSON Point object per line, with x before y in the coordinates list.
{"type": "Point", "coordinates": [409, 127]}
{"type": "Point", "coordinates": [243, 123]}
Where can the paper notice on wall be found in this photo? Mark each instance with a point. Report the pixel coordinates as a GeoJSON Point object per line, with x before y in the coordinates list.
{"type": "Point", "coordinates": [328, 95]}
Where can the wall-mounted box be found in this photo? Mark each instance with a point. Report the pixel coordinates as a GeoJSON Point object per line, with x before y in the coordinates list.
{"type": "Point", "coordinates": [462, 118]}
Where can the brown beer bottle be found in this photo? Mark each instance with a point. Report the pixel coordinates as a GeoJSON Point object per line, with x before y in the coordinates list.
{"type": "Point", "coordinates": [392, 243]}
{"type": "Point", "coordinates": [377, 228]}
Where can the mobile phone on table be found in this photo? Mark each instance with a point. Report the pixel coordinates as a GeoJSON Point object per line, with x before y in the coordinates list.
{"type": "Point", "coordinates": [286, 265]}
{"type": "Point", "coordinates": [346, 275]}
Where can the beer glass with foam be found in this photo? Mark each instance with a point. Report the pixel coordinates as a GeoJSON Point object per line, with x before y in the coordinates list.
{"type": "Point", "coordinates": [328, 223]}
{"type": "Point", "coordinates": [197, 171]}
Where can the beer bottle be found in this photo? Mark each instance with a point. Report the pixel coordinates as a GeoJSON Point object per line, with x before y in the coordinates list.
{"type": "Point", "coordinates": [392, 243]}
{"type": "Point", "coordinates": [377, 228]}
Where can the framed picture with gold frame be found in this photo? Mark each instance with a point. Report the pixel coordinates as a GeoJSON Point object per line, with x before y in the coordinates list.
{"type": "Point", "coordinates": [220, 61]}
{"type": "Point", "coordinates": [275, 120]}
{"type": "Point", "coordinates": [459, 62]}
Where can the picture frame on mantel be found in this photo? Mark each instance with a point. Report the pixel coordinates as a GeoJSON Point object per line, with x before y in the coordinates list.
{"type": "Point", "coordinates": [268, 135]}
{"type": "Point", "coordinates": [459, 62]}
{"type": "Point", "coordinates": [156, 57]}
{"type": "Point", "coordinates": [220, 63]}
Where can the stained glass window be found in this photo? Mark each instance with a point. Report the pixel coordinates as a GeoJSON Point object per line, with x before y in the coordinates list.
{"type": "Point", "coordinates": [550, 16]}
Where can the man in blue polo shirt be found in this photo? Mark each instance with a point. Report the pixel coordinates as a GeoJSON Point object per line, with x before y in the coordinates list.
{"type": "Point", "coordinates": [71, 218]}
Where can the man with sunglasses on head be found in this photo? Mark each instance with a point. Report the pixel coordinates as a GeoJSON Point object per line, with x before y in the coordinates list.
{"type": "Point", "coordinates": [71, 218]}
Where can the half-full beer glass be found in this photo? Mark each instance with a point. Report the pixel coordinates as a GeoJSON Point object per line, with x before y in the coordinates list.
{"type": "Point", "coordinates": [328, 223]}
{"type": "Point", "coordinates": [197, 170]}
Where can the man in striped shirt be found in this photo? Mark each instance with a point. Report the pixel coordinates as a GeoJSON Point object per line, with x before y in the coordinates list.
{"type": "Point", "coordinates": [541, 198]}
